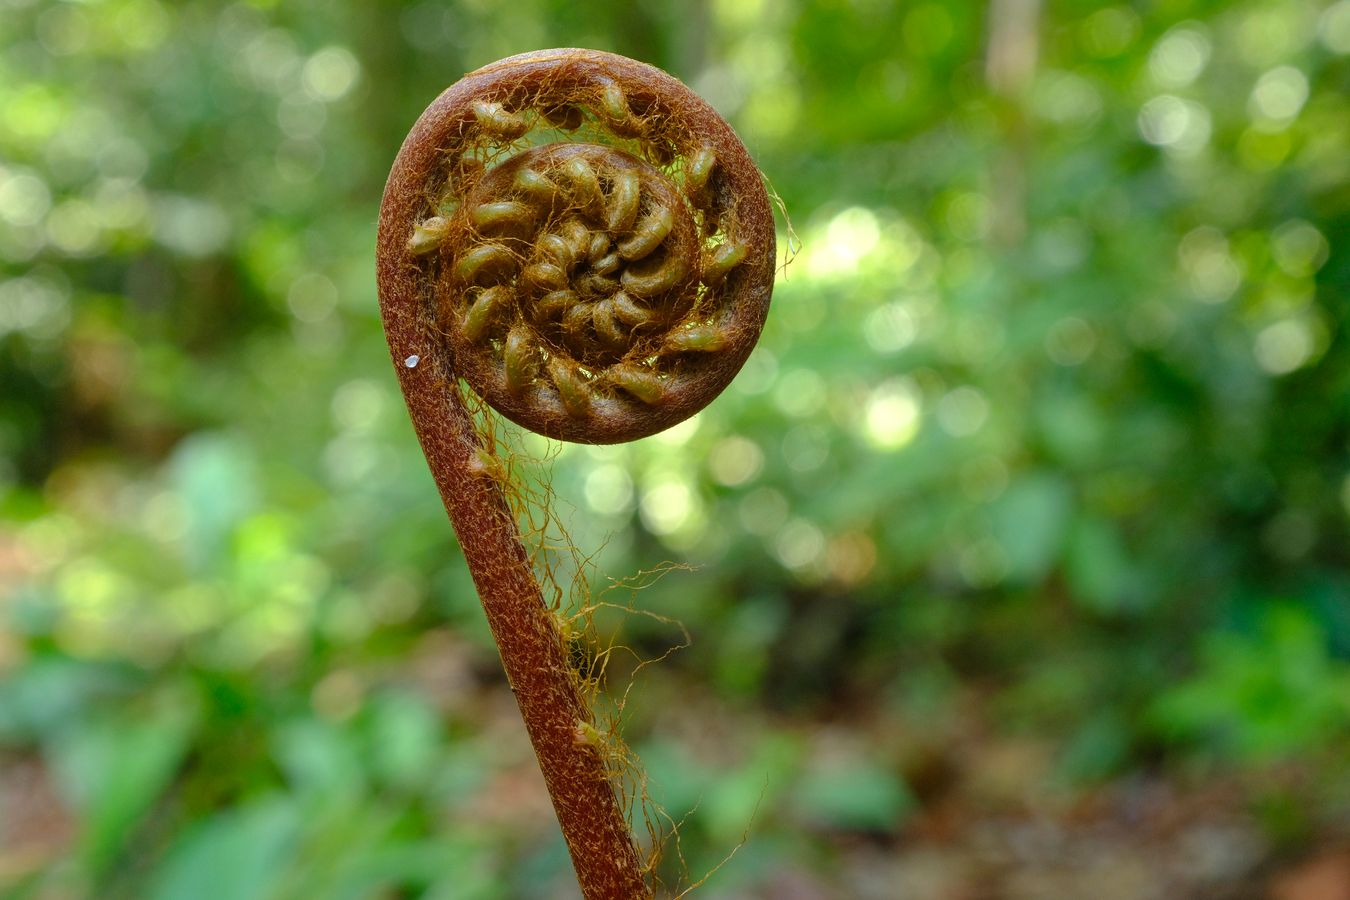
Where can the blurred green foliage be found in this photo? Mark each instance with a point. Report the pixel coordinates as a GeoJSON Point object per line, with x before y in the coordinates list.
{"type": "Point", "coordinates": [1048, 438]}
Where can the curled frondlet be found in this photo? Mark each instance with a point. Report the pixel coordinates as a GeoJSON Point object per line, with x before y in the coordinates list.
{"type": "Point", "coordinates": [595, 241]}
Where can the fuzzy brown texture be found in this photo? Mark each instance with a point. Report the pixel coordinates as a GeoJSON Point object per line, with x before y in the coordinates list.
{"type": "Point", "coordinates": [650, 308]}
{"type": "Point", "coordinates": [577, 367]}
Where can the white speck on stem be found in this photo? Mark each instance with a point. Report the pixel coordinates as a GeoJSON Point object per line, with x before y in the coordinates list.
{"type": "Point", "coordinates": [412, 361]}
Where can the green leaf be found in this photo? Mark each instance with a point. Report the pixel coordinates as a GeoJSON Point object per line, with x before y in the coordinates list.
{"type": "Point", "coordinates": [214, 474]}
{"type": "Point", "coordinates": [860, 795]}
{"type": "Point", "coordinates": [231, 856]}
{"type": "Point", "coordinates": [114, 769]}
{"type": "Point", "coordinates": [320, 760]}
{"type": "Point", "coordinates": [1029, 522]}
{"type": "Point", "coordinates": [1098, 568]}
{"type": "Point", "coordinates": [404, 737]}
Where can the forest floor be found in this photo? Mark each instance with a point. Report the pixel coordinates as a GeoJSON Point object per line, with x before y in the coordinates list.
{"type": "Point", "coordinates": [1129, 841]}
{"type": "Point", "coordinates": [983, 827]}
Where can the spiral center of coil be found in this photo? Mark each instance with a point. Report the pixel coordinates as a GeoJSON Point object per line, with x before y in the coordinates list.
{"type": "Point", "coordinates": [586, 245]}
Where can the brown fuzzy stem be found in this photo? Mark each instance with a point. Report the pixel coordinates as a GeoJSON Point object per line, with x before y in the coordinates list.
{"type": "Point", "coordinates": [592, 821]}
{"type": "Point", "coordinates": [585, 291]}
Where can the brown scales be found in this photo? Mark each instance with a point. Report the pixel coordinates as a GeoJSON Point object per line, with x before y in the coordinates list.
{"type": "Point", "coordinates": [598, 288]}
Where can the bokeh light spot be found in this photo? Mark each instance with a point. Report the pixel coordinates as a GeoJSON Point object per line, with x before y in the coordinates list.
{"type": "Point", "coordinates": [890, 328]}
{"type": "Point", "coordinates": [357, 404]}
{"type": "Point", "coordinates": [1110, 31]}
{"type": "Point", "coordinates": [1334, 27]}
{"type": "Point", "coordinates": [1066, 98]}
{"type": "Point", "coordinates": [891, 415]}
{"type": "Point", "coordinates": [666, 506]}
{"type": "Point", "coordinates": [312, 297]}
{"type": "Point", "coordinates": [848, 238]}
{"type": "Point", "coordinates": [330, 74]}
{"type": "Point", "coordinates": [851, 557]}
{"type": "Point", "coordinates": [24, 197]}
{"type": "Point", "coordinates": [1179, 57]}
{"type": "Point", "coordinates": [962, 412]}
{"type": "Point", "coordinates": [1209, 265]}
{"type": "Point", "coordinates": [799, 393]}
{"type": "Point", "coordinates": [1298, 248]}
{"type": "Point", "coordinates": [1178, 126]}
{"type": "Point", "coordinates": [681, 434]}
{"type": "Point", "coordinates": [1278, 97]}
{"type": "Point", "coordinates": [799, 544]}
{"type": "Point", "coordinates": [735, 460]}
{"type": "Point", "coordinates": [73, 228]}
{"type": "Point", "coordinates": [1284, 346]}
{"type": "Point", "coordinates": [38, 307]}
{"type": "Point", "coordinates": [191, 226]}
{"type": "Point", "coordinates": [609, 489]}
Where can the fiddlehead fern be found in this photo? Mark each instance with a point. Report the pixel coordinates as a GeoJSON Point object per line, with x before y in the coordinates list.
{"type": "Point", "coordinates": [600, 244]}
{"type": "Point", "coordinates": [587, 245]}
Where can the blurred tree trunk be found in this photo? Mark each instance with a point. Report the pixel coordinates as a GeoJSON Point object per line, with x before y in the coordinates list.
{"type": "Point", "coordinates": [1010, 68]}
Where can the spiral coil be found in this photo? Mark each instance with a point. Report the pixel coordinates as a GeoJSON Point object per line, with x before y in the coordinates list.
{"type": "Point", "coordinates": [596, 243]}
